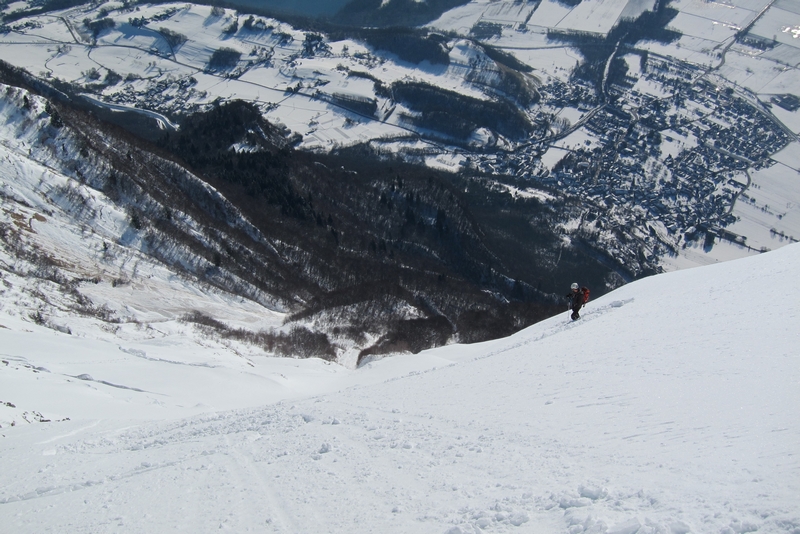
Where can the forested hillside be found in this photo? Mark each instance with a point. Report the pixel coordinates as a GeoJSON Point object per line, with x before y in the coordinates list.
{"type": "Point", "coordinates": [361, 250]}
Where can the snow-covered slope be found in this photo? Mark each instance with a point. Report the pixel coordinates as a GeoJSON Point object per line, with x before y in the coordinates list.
{"type": "Point", "coordinates": [60, 229]}
{"type": "Point", "coordinates": [671, 406]}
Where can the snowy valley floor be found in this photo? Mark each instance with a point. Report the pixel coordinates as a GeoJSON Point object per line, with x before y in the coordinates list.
{"type": "Point", "coordinates": [672, 406]}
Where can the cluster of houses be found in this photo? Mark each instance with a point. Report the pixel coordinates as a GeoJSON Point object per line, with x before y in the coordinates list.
{"type": "Point", "coordinates": [671, 152]}
{"type": "Point", "coordinates": [677, 155]}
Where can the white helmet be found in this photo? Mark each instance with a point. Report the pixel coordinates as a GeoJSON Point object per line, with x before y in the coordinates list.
{"type": "Point", "coordinates": [574, 286]}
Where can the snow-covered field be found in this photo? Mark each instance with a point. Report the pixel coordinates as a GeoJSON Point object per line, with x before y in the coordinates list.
{"type": "Point", "coordinates": [297, 87]}
{"type": "Point", "coordinates": [671, 406]}
{"type": "Point", "coordinates": [598, 17]}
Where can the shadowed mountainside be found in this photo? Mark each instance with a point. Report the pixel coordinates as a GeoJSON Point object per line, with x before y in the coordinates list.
{"type": "Point", "coordinates": [363, 251]}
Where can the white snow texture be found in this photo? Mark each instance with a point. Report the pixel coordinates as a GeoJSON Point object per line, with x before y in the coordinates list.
{"type": "Point", "coordinates": [670, 407]}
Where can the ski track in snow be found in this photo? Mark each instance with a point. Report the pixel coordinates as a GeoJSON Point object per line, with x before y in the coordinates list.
{"type": "Point", "coordinates": [670, 407]}
{"type": "Point", "coordinates": [143, 355]}
{"type": "Point", "coordinates": [649, 415]}
{"type": "Point", "coordinates": [588, 313]}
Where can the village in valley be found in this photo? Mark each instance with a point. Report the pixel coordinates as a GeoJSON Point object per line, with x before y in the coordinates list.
{"type": "Point", "coordinates": [678, 163]}
{"type": "Point", "coordinates": [687, 153]}
{"type": "Point", "coordinates": [264, 274]}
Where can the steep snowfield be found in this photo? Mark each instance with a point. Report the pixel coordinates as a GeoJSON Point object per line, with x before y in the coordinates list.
{"type": "Point", "coordinates": [52, 220]}
{"type": "Point", "coordinates": [670, 407]}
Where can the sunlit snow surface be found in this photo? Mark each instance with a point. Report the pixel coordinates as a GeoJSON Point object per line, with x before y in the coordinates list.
{"type": "Point", "coordinates": [671, 406]}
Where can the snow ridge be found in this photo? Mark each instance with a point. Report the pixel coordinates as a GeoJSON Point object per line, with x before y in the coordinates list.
{"type": "Point", "coordinates": [669, 407]}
